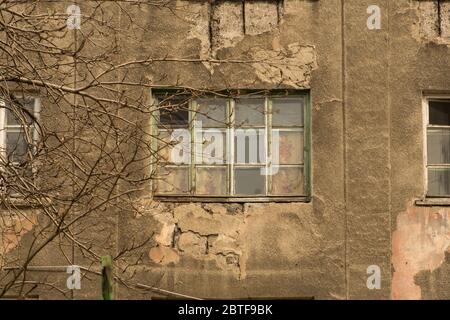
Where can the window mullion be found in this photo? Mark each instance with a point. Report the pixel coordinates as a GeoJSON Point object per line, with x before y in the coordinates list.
{"type": "Point", "coordinates": [269, 164]}
{"type": "Point", "coordinates": [193, 131]}
{"type": "Point", "coordinates": [307, 145]}
{"type": "Point", "coordinates": [154, 132]}
{"type": "Point", "coordinates": [37, 114]}
{"type": "Point", "coordinates": [2, 129]}
{"type": "Point", "coordinates": [230, 146]}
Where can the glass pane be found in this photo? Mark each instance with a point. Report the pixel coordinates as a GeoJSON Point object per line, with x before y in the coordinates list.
{"type": "Point", "coordinates": [288, 180]}
{"type": "Point", "coordinates": [172, 180]}
{"type": "Point", "coordinates": [250, 146]}
{"type": "Point", "coordinates": [211, 147]}
{"type": "Point", "coordinates": [287, 147]}
{"type": "Point", "coordinates": [250, 112]}
{"type": "Point", "coordinates": [174, 112]}
{"type": "Point", "coordinates": [19, 113]}
{"type": "Point", "coordinates": [211, 181]}
{"type": "Point", "coordinates": [438, 145]}
{"type": "Point", "coordinates": [440, 112]}
{"type": "Point", "coordinates": [287, 111]}
{"type": "Point", "coordinates": [212, 112]}
{"type": "Point", "coordinates": [174, 146]}
{"type": "Point", "coordinates": [249, 181]}
{"type": "Point", "coordinates": [16, 146]}
{"type": "Point", "coordinates": [438, 182]}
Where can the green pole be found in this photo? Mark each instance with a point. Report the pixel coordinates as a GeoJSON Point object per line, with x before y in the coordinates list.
{"type": "Point", "coordinates": [107, 278]}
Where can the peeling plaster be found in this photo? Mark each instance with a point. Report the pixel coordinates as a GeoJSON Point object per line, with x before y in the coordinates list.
{"type": "Point", "coordinates": [163, 255]}
{"type": "Point", "coordinates": [12, 229]}
{"type": "Point", "coordinates": [291, 66]}
{"type": "Point", "coordinates": [419, 244]}
{"type": "Point", "coordinates": [229, 234]}
{"type": "Point", "coordinates": [194, 231]}
{"type": "Point", "coordinates": [428, 28]}
{"type": "Point", "coordinates": [226, 24]}
{"type": "Point", "coordinates": [198, 17]}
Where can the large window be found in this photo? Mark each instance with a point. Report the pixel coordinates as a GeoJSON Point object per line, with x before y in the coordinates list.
{"type": "Point", "coordinates": [246, 146]}
{"type": "Point", "coordinates": [438, 147]}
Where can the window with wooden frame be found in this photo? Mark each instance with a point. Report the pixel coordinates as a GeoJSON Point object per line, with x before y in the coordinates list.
{"type": "Point", "coordinates": [437, 146]}
{"type": "Point", "coordinates": [242, 147]}
{"type": "Point", "coordinates": [18, 137]}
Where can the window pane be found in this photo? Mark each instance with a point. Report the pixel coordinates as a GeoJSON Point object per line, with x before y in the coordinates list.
{"type": "Point", "coordinates": [287, 147]}
{"type": "Point", "coordinates": [174, 146]}
{"type": "Point", "coordinates": [172, 180]}
{"type": "Point", "coordinates": [288, 180]}
{"type": "Point", "coordinates": [438, 182]}
{"type": "Point", "coordinates": [249, 181]}
{"type": "Point", "coordinates": [250, 112]}
{"type": "Point", "coordinates": [174, 112]}
{"type": "Point", "coordinates": [440, 112]}
{"type": "Point", "coordinates": [250, 146]}
{"type": "Point", "coordinates": [287, 111]}
{"type": "Point", "coordinates": [212, 112]}
{"type": "Point", "coordinates": [438, 146]}
{"type": "Point", "coordinates": [19, 113]}
{"type": "Point", "coordinates": [211, 147]}
{"type": "Point", "coordinates": [16, 146]}
{"type": "Point", "coordinates": [211, 181]}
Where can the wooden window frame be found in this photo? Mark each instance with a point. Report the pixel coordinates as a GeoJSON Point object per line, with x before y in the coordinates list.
{"type": "Point", "coordinates": [5, 128]}
{"type": "Point", "coordinates": [231, 96]}
{"type": "Point", "coordinates": [426, 115]}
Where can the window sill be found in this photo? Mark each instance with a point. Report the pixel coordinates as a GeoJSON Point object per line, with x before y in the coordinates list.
{"type": "Point", "coordinates": [18, 203]}
{"type": "Point", "coordinates": [433, 202]}
{"type": "Point", "coordinates": [232, 199]}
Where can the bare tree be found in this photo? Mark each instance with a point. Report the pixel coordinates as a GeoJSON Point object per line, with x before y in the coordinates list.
{"type": "Point", "coordinates": [76, 148]}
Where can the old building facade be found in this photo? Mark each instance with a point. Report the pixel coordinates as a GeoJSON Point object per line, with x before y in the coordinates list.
{"type": "Point", "coordinates": [358, 92]}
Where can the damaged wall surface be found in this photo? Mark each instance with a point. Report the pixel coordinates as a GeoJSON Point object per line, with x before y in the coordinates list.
{"type": "Point", "coordinates": [366, 88]}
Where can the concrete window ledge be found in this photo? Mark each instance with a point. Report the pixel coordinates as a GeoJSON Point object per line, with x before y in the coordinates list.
{"type": "Point", "coordinates": [19, 203]}
{"type": "Point", "coordinates": [433, 202]}
{"type": "Point", "coordinates": [226, 199]}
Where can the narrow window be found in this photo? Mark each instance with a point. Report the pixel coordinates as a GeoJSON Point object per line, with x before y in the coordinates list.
{"type": "Point", "coordinates": [18, 137]}
{"type": "Point", "coordinates": [438, 148]}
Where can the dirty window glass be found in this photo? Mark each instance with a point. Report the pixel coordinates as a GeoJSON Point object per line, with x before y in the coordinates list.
{"type": "Point", "coordinates": [249, 181]}
{"type": "Point", "coordinates": [440, 113]}
{"type": "Point", "coordinates": [16, 146]}
{"type": "Point", "coordinates": [287, 112]}
{"type": "Point", "coordinates": [212, 112]}
{"type": "Point", "coordinates": [250, 146]}
{"type": "Point", "coordinates": [172, 180]}
{"type": "Point", "coordinates": [288, 180]}
{"type": "Point", "coordinates": [18, 128]}
{"type": "Point", "coordinates": [249, 112]}
{"type": "Point", "coordinates": [20, 112]}
{"type": "Point", "coordinates": [173, 111]}
{"type": "Point", "coordinates": [211, 180]}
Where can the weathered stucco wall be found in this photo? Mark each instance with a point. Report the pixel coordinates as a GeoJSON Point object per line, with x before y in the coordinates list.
{"type": "Point", "coordinates": [258, 250]}
{"type": "Point", "coordinates": [367, 154]}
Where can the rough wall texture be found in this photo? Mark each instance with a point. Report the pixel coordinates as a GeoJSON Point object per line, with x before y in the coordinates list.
{"type": "Point", "coordinates": [419, 244]}
{"type": "Point", "coordinates": [367, 142]}
{"type": "Point", "coordinates": [12, 229]}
